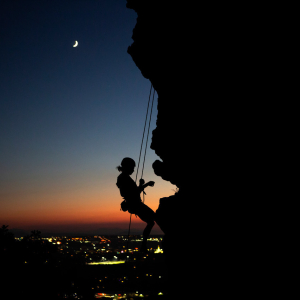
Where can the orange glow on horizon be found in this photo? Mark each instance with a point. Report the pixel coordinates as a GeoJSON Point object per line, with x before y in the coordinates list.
{"type": "Point", "coordinates": [89, 207]}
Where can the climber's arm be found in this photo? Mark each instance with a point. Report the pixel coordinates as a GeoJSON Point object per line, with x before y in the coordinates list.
{"type": "Point", "coordinates": [142, 185]}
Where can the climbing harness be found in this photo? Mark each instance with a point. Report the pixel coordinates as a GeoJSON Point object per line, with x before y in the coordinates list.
{"type": "Point", "coordinates": [124, 206]}
{"type": "Point", "coordinates": [141, 152]}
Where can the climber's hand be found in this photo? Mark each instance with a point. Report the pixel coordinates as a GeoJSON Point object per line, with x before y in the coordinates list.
{"type": "Point", "coordinates": [151, 183]}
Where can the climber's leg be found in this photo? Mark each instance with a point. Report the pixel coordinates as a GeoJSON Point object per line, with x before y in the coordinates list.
{"type": "Point", "coordinates": [147, 215]}
{"type": "Point", "coordinates": [146, 234]}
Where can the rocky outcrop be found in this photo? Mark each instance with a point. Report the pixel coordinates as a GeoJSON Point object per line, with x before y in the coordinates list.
{"type": "Point", "coordinates": [207, 65]}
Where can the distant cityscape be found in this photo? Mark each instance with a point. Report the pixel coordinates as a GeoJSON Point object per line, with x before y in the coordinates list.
{"type": "Point", "coordinates": [100, 267]}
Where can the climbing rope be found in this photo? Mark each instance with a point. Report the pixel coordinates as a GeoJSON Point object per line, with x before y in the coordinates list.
{"type": "Point", "coordinates": [137, 171]}
{"type": "Point", "coordinates": [147, 136]}
{"type": "Point", "coordinates": [141, 152]}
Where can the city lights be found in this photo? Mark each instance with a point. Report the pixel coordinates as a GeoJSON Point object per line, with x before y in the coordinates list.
{"type": "Point", "coordinates": [158, 250]}
{"type": "Point", "coordinates": [106, 263]}
{"type": "Point", "coordinates": [95, 252]}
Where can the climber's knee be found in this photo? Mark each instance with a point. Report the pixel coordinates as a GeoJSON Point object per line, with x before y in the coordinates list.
{"type": "Point", "coordinates": [151, 223]}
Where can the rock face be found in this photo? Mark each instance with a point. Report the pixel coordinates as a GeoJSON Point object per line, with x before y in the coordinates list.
{"type": "Point", "coordinates": [209, 64]}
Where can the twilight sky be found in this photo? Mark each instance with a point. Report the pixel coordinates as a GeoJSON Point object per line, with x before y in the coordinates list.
{"type": "Point", "coordinates": [69, 115]}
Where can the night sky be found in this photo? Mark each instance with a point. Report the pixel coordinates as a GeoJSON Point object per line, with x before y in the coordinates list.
{"type": "Point", "coordinates": [69, 115]}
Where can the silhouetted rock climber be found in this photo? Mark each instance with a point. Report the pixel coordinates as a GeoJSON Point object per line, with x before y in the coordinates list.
{"type": "Point", "coordinates": [131, 194]}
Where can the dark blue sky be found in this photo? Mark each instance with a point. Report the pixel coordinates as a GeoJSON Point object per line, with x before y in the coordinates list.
{"type": "Point", "coordinates": [67, 115]}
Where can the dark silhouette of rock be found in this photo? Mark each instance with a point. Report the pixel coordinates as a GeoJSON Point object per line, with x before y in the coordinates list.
{"type": "Point", "coordinates": [212, 68]}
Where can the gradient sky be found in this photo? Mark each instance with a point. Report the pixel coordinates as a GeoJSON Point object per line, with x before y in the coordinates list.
{"type": "Point", "coordinates": [69, 115]}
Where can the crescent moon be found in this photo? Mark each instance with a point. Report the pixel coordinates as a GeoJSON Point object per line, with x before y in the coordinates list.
{"type": "Point", "coordinates": [76, 44]}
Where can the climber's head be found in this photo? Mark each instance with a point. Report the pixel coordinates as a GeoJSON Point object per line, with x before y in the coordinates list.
{"type": "Point", "coordinates": [127, 165]}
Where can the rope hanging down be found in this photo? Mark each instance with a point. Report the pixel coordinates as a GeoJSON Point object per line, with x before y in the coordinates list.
{"type": "Point", "coordinates": [137, 171]}
{"type": "Point", "coordinates": [147, 135]}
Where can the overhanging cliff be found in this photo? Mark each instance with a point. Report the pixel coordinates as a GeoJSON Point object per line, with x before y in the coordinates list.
{"type": "Point", "coordinates": [203, 61]}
